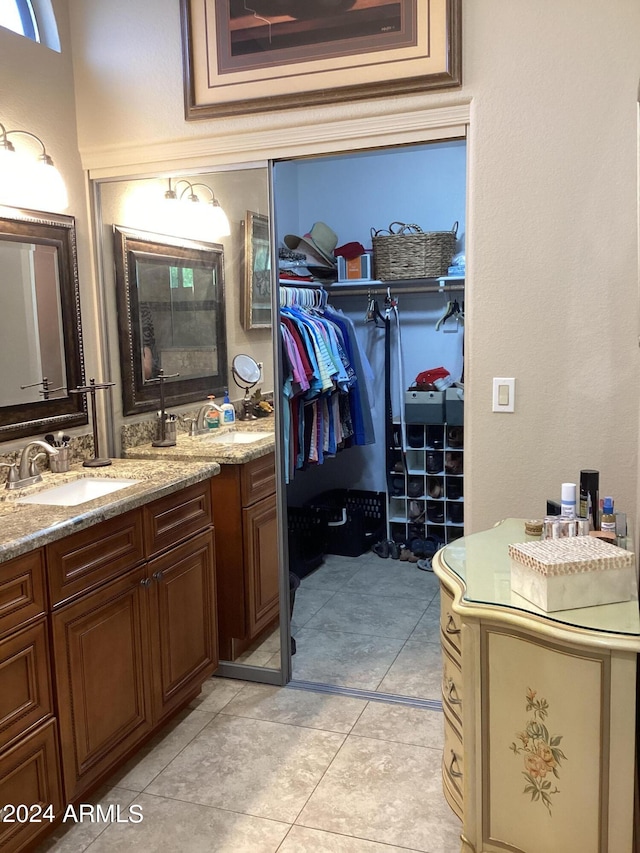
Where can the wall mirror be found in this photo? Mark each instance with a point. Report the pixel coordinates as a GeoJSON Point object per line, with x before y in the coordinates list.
{"type": "Point", "coordinates": [170, 301]}
{"type": "Point", "coordinates": [40, 330]}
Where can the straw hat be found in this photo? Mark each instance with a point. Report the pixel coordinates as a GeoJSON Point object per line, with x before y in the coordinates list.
{"type": "Point", "coordinates": [318, 244]}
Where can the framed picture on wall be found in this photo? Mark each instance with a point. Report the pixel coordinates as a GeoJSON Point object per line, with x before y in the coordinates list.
{"type": "Point", "coordinates": [256, 302]}
{"type": "Point", "coordinates": [243, 56]}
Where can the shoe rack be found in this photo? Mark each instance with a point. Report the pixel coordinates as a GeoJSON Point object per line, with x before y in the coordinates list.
{"type": "Point", "coordinates": [427, 497]}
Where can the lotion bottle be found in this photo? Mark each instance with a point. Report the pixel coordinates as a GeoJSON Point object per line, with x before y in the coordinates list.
{"type": "Point", "coordinates": [568, 500]}
{"type": "Point", "coordinates": [608, 519]}
{"type": "Point", "coordinates": [228, 410]}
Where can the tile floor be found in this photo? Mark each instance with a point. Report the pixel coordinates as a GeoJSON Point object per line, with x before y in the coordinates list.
{"type": "Point", "coordinates": [250, 768]}
{"type": "Point", "coordinates": [365, 623]}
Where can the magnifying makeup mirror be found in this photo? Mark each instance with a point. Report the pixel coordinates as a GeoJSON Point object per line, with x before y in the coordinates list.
{"type": "Point", "coordinates": [246, 373]}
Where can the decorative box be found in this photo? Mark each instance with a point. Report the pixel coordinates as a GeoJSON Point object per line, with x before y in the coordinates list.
{"type": "Point", "coordinates": [354, 269]}
{"type": "Point", "coordinates": [580, 571]}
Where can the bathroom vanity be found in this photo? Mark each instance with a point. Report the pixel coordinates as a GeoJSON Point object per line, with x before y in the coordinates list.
{"type": "Point", "coordinates": [244, 509]}
{"type": "Point", "coordinates": [539, 709]}
{"type": "Point", "coordinates": [107, 627]}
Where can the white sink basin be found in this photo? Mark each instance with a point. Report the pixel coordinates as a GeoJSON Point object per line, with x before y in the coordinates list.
{"type": "Point", "coordinates": [234, 437]}
{"type": "Point", "coordinates": [78, 491]}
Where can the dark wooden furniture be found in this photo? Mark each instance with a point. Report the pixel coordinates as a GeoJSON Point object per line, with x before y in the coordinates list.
{"type": "Point", "coordinates": [133, 628]}
{"type": "Point", "coordinates": [244, 508]}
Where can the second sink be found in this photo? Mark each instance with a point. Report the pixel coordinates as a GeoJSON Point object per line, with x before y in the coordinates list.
{"type": "Point", "coordinates": [234, 437]}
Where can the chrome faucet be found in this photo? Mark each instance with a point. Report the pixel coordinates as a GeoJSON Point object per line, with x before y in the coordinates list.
{"type": "Point", "coordinates": [200, 424]}
{"type": "Point", "coordinates": [25, 472]}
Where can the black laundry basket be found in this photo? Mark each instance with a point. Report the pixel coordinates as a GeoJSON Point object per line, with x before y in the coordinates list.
{"type": "Point", "coordinates": [355, 520]}
{"type": "Point", "coordinates": [307, 529]}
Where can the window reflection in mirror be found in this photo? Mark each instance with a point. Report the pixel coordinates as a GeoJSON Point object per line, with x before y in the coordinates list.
{"type": "Point", "coordinates": [40, 332]}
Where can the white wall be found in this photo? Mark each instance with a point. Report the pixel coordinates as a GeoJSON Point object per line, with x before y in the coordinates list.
{"type": "Point", "coordinates": [37, 95]}
{"type": "Point", "coordinates": [552, 213]}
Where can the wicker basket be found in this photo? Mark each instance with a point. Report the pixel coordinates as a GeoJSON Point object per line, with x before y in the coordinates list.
{"type": "Point", "coordinates": [406, 251]}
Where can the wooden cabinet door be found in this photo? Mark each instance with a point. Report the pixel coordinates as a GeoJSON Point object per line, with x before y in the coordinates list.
{"type": "Point", "coordinates": [101, 662]}
{"type": "Point", "coordinates": [260, 525]}
{"type": "Point", "coordinates": [184, 633]}
{"type": "Point", "coordinates": [29, 776]}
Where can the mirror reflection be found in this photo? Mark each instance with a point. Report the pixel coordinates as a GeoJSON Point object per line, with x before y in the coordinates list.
{"type": "Point", "coordinates": [40, 333]}
{"type": "Point", "coordinates": [171, 318]}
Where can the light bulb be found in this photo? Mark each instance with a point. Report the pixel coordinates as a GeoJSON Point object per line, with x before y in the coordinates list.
{"type": "Point", "coordinates": [221, 227]}
{"type": "Point", "coordinates": [49, 187]}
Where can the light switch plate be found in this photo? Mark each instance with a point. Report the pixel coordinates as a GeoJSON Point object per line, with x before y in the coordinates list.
{"type": "Point", "coordinates": [504, 394]}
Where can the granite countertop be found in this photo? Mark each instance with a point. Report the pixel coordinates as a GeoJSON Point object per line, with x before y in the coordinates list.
{"type": "Point", "coordinates": [25, 527]}
{"type": "Point", "coordinates": [202, 448]}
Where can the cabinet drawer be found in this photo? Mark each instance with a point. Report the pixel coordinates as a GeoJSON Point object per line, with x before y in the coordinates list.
{"type": "Point", "coordinates": [25, 697]}
{"type": "Point", "coordinates": [84, 560]}
{"type": "Point", "coordinates": [22, 590]}
{"type": "Point", "coordinates": [29, 775]}
{"type": "Point", "coordinates": [452, 687]}
{"type": "Point", "coordinates": [176, 517]}
{"type": "Point", "coordinates": [449, 621]}
{"type": "Point", "coordinates": [452, 767]}
{"type": "Point", "coordinates": [258, 479]}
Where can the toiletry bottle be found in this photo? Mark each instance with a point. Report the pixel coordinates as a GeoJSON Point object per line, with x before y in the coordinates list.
{"type": "Point", "coordinates": [568, 500]}
{"type": "Point", "coordinates": [212, 418]}
{"type": "Point", "coordinates": [228, 410]}
{"type": "Point", "coordinates": [608, 519]}
{"type": "Point", "coordinates": [590, 496]}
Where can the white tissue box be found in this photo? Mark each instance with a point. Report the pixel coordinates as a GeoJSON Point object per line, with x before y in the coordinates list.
{"type": "Point", "coordinates": [564, 574]}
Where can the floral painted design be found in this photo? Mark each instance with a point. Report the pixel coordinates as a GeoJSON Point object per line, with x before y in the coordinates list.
{"type": "Point", "coordinates": [541, 752]}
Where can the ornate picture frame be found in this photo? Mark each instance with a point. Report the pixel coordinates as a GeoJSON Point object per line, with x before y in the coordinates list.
{"type": "Point", "coordinates": [256, 291]}
{"type": "Point", "coordinates": [282, 54]}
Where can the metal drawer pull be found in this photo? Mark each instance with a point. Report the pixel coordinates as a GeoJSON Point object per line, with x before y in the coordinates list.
{"type": "Point", "coordinates": [453, 692]}
{"type": "Point", "coordinates": [145, 582]}
{"type": "Point", "coordinates": [157, 576]}
{"type": "Point", "coordinates": [450, 622]}
{"type": "Point", "coordinates": [454, 762]}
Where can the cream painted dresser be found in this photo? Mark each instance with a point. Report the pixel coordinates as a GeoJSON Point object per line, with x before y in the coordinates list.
{"type": "Point", "coordinates": [539, 709]}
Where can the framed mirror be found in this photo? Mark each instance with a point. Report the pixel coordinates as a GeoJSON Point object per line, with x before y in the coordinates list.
{"type": "Point", "coordinates": [256, 292]}
{"type": "Point", "coordinates": [170, 303]}
{"type": "Point", "coordinates": [40, 329]}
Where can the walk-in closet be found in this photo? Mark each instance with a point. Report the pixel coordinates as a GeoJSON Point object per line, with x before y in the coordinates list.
{"type": "Point", "coordinates": [371, 490]}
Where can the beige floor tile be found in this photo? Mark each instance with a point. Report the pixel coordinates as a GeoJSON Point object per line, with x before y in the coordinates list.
{"type": "Point", "coordinates": [170, 826]}
{"type": "Point", "coordinates": [216, 692]}
{"type": "Point", "coordinates": [385, 792]}
{"type": "Point", "coordinates": [374, 615]}
{"type": "Point", "coordinates": [417, 671]}
{"type": "Point", "coordinates": [394, 579]}
{"type": "Point", "coordinates": [333, 574]}
{"type": "Point", "coordinates": [348, 660]}
{"type": "Point", "coordinates": [163, 748]}
{"type": "Point", "coordinates": [401, 723]}
{"type": "Point", "coordinates": [303, 840]}
{"type": "Point", "coordinates": [263, 650]}
{"type": "Point", "coordinates": [428, 628]}
{"type": "Point", "coordinates": [251, 766]}
{"type": "Point", "coordinates": [309, 600]}
{"type": "Point", "coordinates": [75, 836]}
{"type": "Point", "coordinates": [297, 707]}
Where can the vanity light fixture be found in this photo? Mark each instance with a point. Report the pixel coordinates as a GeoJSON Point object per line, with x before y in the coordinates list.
{"type": "Point", "coordinates": [26, 181]}
{"type": "Point", "coordinates": [218, 220]}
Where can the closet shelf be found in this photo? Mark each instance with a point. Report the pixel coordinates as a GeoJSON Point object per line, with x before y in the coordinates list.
{"type": "Point", "coordinates": [363, 286]}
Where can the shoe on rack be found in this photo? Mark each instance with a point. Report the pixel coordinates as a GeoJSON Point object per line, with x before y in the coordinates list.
{"type": "Point", "coordinates": [414, 487]}
{"type": "Point", "coordinates": [434, 487]}
{"type": "Point", "coordinates": [397, 486]}
{"type": "Point", "coordinates": [455, 436]}
{"type": "Point", "coordinates": [434, 463]}
{"type": "Point", "coordinates": [453, 462]}
{"type": "Point", "coordinates": [454, 489]}
{"type": "Point", "coordinates": [415, 510]}
{"type": "Point", "coordinates": [435, 436]}
{"type": "Point", "coordinates": [435, 513]}
{"type": "Point", "coordinates": [455, 513]}
{"type": "Point", "coordinates": [415, 436]}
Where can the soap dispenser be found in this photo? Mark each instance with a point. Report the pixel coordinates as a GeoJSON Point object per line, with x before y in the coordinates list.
{"type": "Point", "coordinates": [228, 410]}
{"type": "Point", "coordinates": [212, 417]}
